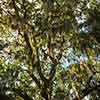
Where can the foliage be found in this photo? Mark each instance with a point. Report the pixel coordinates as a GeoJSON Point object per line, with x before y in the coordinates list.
{"type": "Point", "coordinates": [49, 49]}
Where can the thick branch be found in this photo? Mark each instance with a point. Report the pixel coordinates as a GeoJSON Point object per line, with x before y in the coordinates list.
{"type": "Point", "coordinates": [25, 96]}
{"type": "Point", "coordinates": [53, 69]}
{"type": "Point", "coordinates": [52, 72]}
{"type": "Point", "coordinates": [39, 67]}
{"type": "Point", "coordinates": [15, 7]}
{"type": "Point", "coordinates": [30, 52]}
{"type": "Point", "coordinates": [87, 91]}
{"type": "Point", "coordinates": [36, 80]}
{"type": "Point", "coordinates": [28, 43]}
{"type": "Point", "coordinates": [22, 94]}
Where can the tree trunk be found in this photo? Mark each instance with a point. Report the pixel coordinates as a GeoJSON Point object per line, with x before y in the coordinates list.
{"type": "Point", "coordinates": [46, 93]}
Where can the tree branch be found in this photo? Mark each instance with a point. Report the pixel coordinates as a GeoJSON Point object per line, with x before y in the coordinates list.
{"type": "Point", "coordinates": [22, 94]}
{"type": "Point", "coordinates": [35, 79]}
{"type": "Point", "coordinates": [88, 90]}
{"type": "Point", "coordinates": [15, 7]}
{"type": "Point", "coordinates": [53, 69]}
{"type": "Point", "coordinates": [28, 43]}
{"type": "Point", "coordinates": [39, 67]}
{"type": "Point", "coordinates": [31, 53]}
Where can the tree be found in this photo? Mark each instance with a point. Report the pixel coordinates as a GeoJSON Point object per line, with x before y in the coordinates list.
{"type": "Point", "coordinates": [37, 36]}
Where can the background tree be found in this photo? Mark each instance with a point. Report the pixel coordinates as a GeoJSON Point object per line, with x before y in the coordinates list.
{"type": "Point", "coordinates": [49, 49]}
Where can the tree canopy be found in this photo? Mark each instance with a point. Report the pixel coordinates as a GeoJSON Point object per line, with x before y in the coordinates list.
{"type": "Point", "coordinates": [49, 49]}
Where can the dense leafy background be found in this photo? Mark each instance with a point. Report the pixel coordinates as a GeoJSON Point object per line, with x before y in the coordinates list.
{"type": "Point", "coordinates": [49, 49]}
